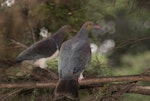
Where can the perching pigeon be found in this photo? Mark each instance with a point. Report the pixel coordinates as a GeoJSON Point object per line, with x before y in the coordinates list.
{"type": "Point", "coordinates": [75, 54]}
{"type": "Point", "coordinates": [45, 47]}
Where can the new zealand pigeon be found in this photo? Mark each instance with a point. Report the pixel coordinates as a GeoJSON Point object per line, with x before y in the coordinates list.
{"type": "Point", "coordinates": [45, 47]}
{"type": "Point", "coordinates": [74, 56]}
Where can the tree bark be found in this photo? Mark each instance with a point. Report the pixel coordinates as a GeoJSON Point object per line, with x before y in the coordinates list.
{"type": "Point", "coordinates": [128, 78]}
{"type": "Point", "coordinates": [91, 83]}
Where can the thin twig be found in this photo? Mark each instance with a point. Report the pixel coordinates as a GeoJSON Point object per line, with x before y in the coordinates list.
{"type": "Point", "coordinates": [147, 72]}
{"type": "Point", "coordinates": [5, 96]}
{"type": "Point", "coordinates": [19, 44]}
{"type": "Point", "coordinates": [125, 43]}
{"type": "Point", "coordinates": [33, 74]}
{"type": "Point", "coordinates": [32, 30]}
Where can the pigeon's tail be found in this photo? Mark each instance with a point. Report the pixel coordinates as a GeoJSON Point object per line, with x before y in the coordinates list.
{"type": "Point", "coordinates": [17, 60]}
{"type": "Point", "coordinates": [66, 88]}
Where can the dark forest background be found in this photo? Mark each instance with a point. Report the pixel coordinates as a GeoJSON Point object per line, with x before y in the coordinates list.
{"type": "Point", "coordinates": [121, 46]}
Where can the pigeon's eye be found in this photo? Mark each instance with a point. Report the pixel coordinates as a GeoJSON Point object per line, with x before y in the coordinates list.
{"type": "Point", "coordinates": [75, 70]}
{"type": "Point", "coordinates": [90, 24]}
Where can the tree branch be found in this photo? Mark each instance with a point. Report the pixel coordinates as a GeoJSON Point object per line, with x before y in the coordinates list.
{"type": "Point", "coordinates": [127, 78]}
{"type": "Point", "coordinates": [136, 89]}
{"type": "Point", "coordinates": [91, 83]}
{"type": "Point", "coordinates": [18, 44]}
{"type": "Point", "coordinates": [140, 90]}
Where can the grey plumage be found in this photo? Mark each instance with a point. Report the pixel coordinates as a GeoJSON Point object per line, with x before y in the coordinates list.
{"type": "Point", "coordinates": [45, 47]}
{"type": "Point", "coordinates": [75, 54]}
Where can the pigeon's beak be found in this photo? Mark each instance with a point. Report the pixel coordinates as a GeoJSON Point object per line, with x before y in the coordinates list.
{"type": "Point", "coordinates": [97, 26]}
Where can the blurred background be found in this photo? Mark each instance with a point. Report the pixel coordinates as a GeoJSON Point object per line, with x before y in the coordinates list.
{"type": "Point", "coordinates": [120, 47]}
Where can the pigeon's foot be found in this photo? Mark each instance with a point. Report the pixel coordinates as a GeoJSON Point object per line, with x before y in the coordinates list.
{"type": "Point", "coordinates": [81, 77]}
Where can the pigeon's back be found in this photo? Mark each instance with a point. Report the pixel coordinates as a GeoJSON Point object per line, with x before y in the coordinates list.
{"type": "Point", "coordinates": [75, 55]}
{"type": "Point", "coordinates": [41, 49]}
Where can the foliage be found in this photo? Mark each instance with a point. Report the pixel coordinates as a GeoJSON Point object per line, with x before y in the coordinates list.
{"type": "Point", "coordinates": [22, 23]}
{"type": "Point", "coordinates": [135, 97]}
{"type": "Point", "coordinates": [133, 64]}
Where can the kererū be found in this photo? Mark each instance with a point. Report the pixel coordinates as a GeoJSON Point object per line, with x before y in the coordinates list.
{"type": "Point", "coordinates": [74, 56]}
{"type": "Point", "coordinates": [45, 47]}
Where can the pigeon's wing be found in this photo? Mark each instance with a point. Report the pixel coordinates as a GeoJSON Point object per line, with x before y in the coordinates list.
{"type": "Point", "coordinates": [63, 57]}
{"type": "Point", "coordinates": [41, 49]}
{"type": "Point", "coordinates": [73, 58]}
{"type": "Point", "coordinates": [80, 58]}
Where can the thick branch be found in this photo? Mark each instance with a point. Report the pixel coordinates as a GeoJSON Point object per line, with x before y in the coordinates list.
{"type": "Point", "coordinates": [136, 89]}
{"type": "Point", "coordinates": [85, 82]}
{"type": "Point", "coordinates": [127, 78]}
{"type": "Point", "coordinates": [140, 90]}
{"type": "Point", "coordinates": [29, 84]}
{"type": "Point", "coordinates": [91, 83]}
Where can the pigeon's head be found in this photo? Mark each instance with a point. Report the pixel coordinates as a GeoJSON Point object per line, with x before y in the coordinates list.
{"type": "Point", "coordinates": [66, 28]}
{"type": "Point", "coordinates": [89, 25]}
